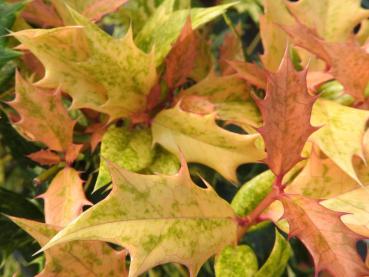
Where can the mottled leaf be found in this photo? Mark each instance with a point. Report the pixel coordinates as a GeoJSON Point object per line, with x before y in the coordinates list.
{"type": "Point", "coordinates": [108, 75]}
{"type": "Point", "coordinates": [131, 149]}
{"type": "Point", "coordinates": [43, 117]}
{"type": "Point", "coordinates": [158, 218]}
{"type": "Point", "coordinates": [202, 141]}
{"type": "Point", "coordinates": [286, 112]}
{"type": "Point", "coordinates": [331, 244]}
{"type": "Point", "coordinates": [339, 138]}
{"type": "Point", "coordinates": [236, 261]}
{"type": "Point", "coordinates": [75, 258]}
{"type": "Point", "coordinates": [64, 198]}
{"type": "Point", "coordinates": [277, 261]}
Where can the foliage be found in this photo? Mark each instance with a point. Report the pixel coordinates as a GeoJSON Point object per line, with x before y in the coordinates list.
{"type": "Point", "coordinates": [152, 138]}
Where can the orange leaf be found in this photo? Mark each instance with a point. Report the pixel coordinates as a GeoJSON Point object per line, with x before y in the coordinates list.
{"type": "Point", "coordinates": [286, 112]}
{"type": "Point", "coordinates": [98, 8]}
{"type": "Point", "coordinates": [181, 60]}
{"type": "Point", "coordinates": [43, 116]}
{"type": "Point", "coordinates": [65, 198]}
{"type": "Point", "coordinates": [251, 73]}
{"type": "Point", "coordinates": [45, 157]}
{"type": "Point", "coordinates": [231, 49]}
{"type": "Point", "coordinates": [348, 62]}
{"type": "Point", "coordinates": [331, 244]}
{"type": "Point", "coordinates": [42, 14]}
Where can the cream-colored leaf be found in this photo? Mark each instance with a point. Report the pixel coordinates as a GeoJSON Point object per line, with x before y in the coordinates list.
{"type": "Point", "coordinates": [158, 218]}
{"type": "Point", "coordinates": [108, 75]}
{"type": "Point", "coordinates": [202, 141]}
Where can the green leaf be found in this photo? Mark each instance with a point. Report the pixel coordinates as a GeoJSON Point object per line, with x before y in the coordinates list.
{"type": "Point", "coordinates": [236, 262]}
{"type": "Point", "coordinates": [158, 219]}
{"type": "Point", "coordinates": [99, 72]}
{"type": "Point", "coordinates": [130, 149]}
{"type": "Point", "coordinates": [202, 141]}
{"type": "Point", "coordinates": [165, 25]}
{"type": "Point", "coordinates": [278, 258]}
{"type": "Point", "coordinates": [164, 162]}
{"type": "Point", "coordinates": [252, 193]}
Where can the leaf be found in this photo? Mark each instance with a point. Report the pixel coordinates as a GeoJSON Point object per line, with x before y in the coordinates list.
{"type": "Point", "coordinates": [164, 163]}
{"type": "Point", "coordinates": [40, 13]}
{"type": "Point", "coordinates": [331, 244]}
{"type": "Point", "coordinates": [231, 49]}
{"type": "Point", "coordinates": [252, 73]}
{"type": "Point", "coordinates": [236, 261]}
{"type": "Point", "coordinates": [163, 219]}
{"type": "Point", "coordinates": [75, 258]}
{"type": "Point", "coordinates": [252, 7]}
{"type": "Point", "coordinates": [92, 9]}
{"type": "Point", "coordinates": [130, 149]}
{"type": "Point", "coordinates": [252, 193]}
{"type": "Point", "coordinates": [334, 20]}
{"type": "Point", "coordinates": [323, 179]}
{"type": "Point", "coordinates": [64, 198]}
{"type": "Point", "coordinates": [348, 61]}
{"type": "Point", "coordinates": [181, 59]}
{"type": "Point", "coordinates": [286, 112]}
{"type": "Point", "coordinates": [8, 13]}
{"type": "Point", "coordinates": [164, 18]}
{"type": "Point", "coordinates": [43, 116]}
{"type": "Point", "coordinates": [278, 258]}
{"type": "Point", "coordinates": [338, 138]}
{"type": "Point", "coordinates": [45, 157]}
{"type": "Point", "coordinates": [202, 141]}
{"type": "Point", "coordinates": [108, 75]}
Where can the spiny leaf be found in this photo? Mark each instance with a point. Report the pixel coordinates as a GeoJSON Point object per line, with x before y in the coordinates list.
{"type": "Point", "coordinates": [64, 198]}
{"type": "Point", "coordinates": [202, 141]}
{"type": "Point", "coordinates": [130, 149]}
{"type": "Point", "coordinates": [231, 49]}
{"type": "Point", "coordinates": [75, 258]}
{"type": "Point", "coordinates": [181, 59]}
{"type": "Point", "coordinates": [43, 117]}
{"type": "Point", "coordinates": [158, 218]}
{"type": "Point", "coordinates": [165, 25]}
{"type": "Point", "coordinates": [286, 112]}
{"type": "Point", "coordinates": [108, 75]}
{"type": "Point", "coordinates": [92, 9]}
{"type": "Point", "coordinates": [42, 14]}
{"type": "Point", "coordinates": [236, 261]}
{"type": "Point", "coordinates": [252, 73]}
{"type": "Point", "coordinates": [339, 138]}
{"type": "Point", "coordinates": [278, 258]}
{"type": "Point", "coordinates": [331, 244]}
{"type": "Point", "coordinates": [348, 61]}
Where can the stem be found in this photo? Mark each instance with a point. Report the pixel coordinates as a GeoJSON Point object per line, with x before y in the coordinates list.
{"type": "Point", "coordinates": [252, 218]}
{"type": "Point", "coordinates": [44, 176]}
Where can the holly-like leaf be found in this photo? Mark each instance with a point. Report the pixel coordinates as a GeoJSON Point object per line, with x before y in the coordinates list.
{"type": "Point", "coordinates": [334, 20]}
{"type": "Point", "coordinates": [236, 261]}
{"type": "Point", "coordinates": [277, 261]}
{"type": "Point", "coordinates": [42, 14]}
{"type": "Point", "coordinates": [130, 149]}
{"type": "Point", "coordinates": [181, 59]}
{"type": "Point", "coordinates": [165, 18]}
{"type": "Point", "coordinates": [339, 138]}
{"type": "Point", "coordinates": [286, 112]}
{"type": "Point", "coordinates": [43, 117]}
{"type": "Point", "coordinates": [163, 219]}
{"type": "Point", "coordinates": [202, 141]}
{"type": "Point", "coordinates": [252, 73]}
{"type": "Point", "coordinates": [231, 49]}
{"type": "Point", "coordinates": [64, 198]}
{"type": "Point", "coordinates": [108, 75]}
{"type": "Point", "coordinates": [92, 9]}
{"type": "Point", "coordinates": [348, 61]}
{"type": "Point", "coordinates": [331, 244]}
{"type": "Point", "coordinates": [74, 258]}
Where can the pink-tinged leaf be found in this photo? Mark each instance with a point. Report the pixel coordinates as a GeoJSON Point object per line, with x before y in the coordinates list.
{"type": "Point", "coordinates": [81, 258]}
{"type": "Point", "coordinates": [98, 8]}
{"type": "Point", "coordinates": [44, 15]}
{"type": "Point", "coordinates": [33, 64]}
{"type": "Point", "coordinates": [97, 132]}
{"type": "Point", "coordinates": [251, 73]}
{"type": "Point", "coordinates": [72, 152]}
{"type": "Point", "coordinates": [65, 198]}
{"type": "Point", "coordinates": [286, 111]}
{"type": "Point", "coordinates": [348, 61]}
{"type": "Point", "coordinates": [331, 244]}
{"type": "Point", "coordinates": [181, 60]}
{"type": "Point", "coordinates": [43, 116]}
{"type": "Point", "coordinates": [45, 157]}
{"type": "Point", "coordinates": [231, 49]}
{"type": "Point", "coordinates": [197, 104]}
